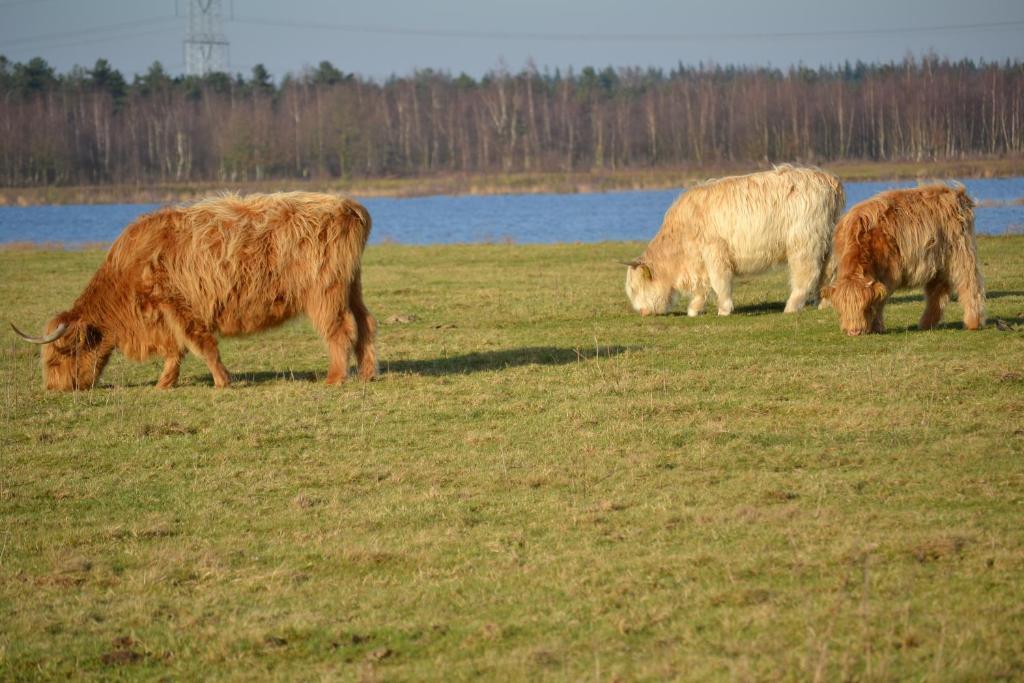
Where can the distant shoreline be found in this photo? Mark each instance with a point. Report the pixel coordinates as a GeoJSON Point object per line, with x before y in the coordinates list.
{"type": "Point", "coordinates": [597, 180]}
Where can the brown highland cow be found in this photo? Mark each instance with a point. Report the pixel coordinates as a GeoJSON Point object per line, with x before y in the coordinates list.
{"type": "Point", "coordinates": [906, 238]}
{"type": "Point", "coordinates": [228, 265]}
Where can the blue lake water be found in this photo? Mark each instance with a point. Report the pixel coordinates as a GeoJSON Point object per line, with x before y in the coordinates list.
{"type": "Point", "coordinates": [523, 219]}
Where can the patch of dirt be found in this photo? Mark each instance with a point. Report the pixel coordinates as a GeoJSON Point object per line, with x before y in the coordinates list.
{"type": "Point", "coordinates": [123, 652]}
{"type": "Point", "coordinates": [907, 642]}
{"type": "Point", "coordinates": [166, 429]}
{"type": "Point", "coordinates": [304, 502]}
{"type": "Point", "coordinates": [544, 658]}
{"type": "Point", "coordinates": [780, 496]}
{"type": "Point", "coordinates": [59, 580]}
{"type": "Point", "coordinates": [939, 548]}
{"type": "Point", "coordinates": [120, 657]}
{"type": "Point", "coordinates": [275, 641]}
{"type": "Point", "coordinates": [380, 654]}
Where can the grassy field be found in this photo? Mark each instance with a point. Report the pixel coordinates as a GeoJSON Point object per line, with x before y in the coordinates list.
{"type": "Point", "coordinates": [540, 485]}
{"type": "Point", "coordinates": [596, 180]}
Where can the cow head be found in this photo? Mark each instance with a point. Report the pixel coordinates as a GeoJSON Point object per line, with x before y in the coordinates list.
{"type": "Point", "coordinates": [74, 352]}
{"type": "Point", "coordinates": [858, 301]}
{"type": "Point", "coordinates": [648, 293]}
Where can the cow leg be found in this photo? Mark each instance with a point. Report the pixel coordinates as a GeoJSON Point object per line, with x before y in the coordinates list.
{"type": "Point", "coordinates": [937, 296]}
{"type": "Point", "coordinates": [804, 273]}
{"type": "Point", "coordinates": [172, 367]}
{"type": "Point", "coordinates": [696, 306]}
{"type": "Point", "coordinates": [338, 328]}
{"type": "Point", "coordinates": [199, 340]}
{"type": "Point", "coordinates": [204, 345]}
{"type": "Point", "coordinates": [721, 282]}
{"type": "Point", "coordinates": [339, 347]}
{"type": "Point", "coordinates": [877, 321]}
{"type": "Point", "coordinates": [366, 328]}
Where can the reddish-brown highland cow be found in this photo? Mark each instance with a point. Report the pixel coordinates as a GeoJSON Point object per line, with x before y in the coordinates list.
{"type": "Point", "coordinates": [229, 265]}
{"type": "Point", "coordinates": [906, 238]}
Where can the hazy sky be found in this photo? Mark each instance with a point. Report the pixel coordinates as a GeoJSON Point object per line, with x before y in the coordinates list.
{"type": "Point", "coordinates": [384, 37]}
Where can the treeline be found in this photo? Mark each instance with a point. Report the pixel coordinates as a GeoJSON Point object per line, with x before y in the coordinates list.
{"type": "Point", "coordinates": [91, 126]}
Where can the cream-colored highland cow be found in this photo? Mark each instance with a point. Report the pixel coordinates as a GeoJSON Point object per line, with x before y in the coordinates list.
{"type": "Point", "coordinates": [907, 238]}
{"type": "Point", "coordinates": [178, 277]}
{"type": "Point", "coordinates": [737, 226]}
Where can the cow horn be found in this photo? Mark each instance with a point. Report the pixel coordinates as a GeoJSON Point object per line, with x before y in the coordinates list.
{"type": "Point", "coordinates": [632, 264]}
{"type": "Point", "coordinates": [53, 336]}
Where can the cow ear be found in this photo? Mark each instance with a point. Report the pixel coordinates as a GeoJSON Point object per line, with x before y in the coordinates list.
{"type": "Point", "coordinates": [645, 270]}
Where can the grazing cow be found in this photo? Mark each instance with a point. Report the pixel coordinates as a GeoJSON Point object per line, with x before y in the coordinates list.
{"type": "Point", "coordinates": [228, 265]}
{"type": "Point", "coordinates": [906, 238]}
{"type": "Point", "coordinates": [735, 226]}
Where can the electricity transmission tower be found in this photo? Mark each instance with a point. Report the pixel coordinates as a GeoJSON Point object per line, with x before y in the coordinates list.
{"type": "Point", "coordinates": [206, 46]}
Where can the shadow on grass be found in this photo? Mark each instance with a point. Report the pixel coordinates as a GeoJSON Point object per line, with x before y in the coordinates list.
{"type": "Point", "coordinates": [779, 306]}
{"type": "Point", "coordinates": [499, 360]}
{"type": "Point", "coordinates": [764, 307]}
{"type": "Point", "coordinates": [485, 361]}
{"type": "Point", "coordinates": [747, 309]}
{"type": "Point", "coordinates": [911, 298]}
{"type": "Point", "coordinates": [1002, 323]}
{"type": "Point", "coordinates": [772, 307]}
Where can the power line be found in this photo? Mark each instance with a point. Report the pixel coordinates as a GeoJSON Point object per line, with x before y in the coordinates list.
{"type": "Point", "coordinates": [15, 3]}
{"type": "Point", "coordinates": [89, 41]}
{"type": "Point", "coordinates": [45, 37]}
{"type": "Point", "coordinates": [623, 37]}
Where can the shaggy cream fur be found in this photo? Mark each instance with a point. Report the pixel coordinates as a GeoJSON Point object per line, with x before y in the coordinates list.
{"type": "Point", "coordinates": [735, 226]}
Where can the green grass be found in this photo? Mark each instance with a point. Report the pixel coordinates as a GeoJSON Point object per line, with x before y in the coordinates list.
{"type": "Point", "coordinates": [541, 485]}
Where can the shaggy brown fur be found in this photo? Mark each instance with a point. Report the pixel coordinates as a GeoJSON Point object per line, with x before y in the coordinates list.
{"type": "Point", "coordinates": [228, 265]}
{"type": "Point", "coordinates": [907, 238]}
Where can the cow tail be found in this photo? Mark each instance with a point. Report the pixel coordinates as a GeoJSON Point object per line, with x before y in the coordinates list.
{"type": "Point", "coordinates": [361, 224]}
{"type": "Point", "coordinates": [965, 266]}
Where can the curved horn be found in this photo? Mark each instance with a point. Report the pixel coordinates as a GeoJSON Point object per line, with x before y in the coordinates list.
{"type": "Point", "coordinates": [632, 264]}
{"type": "Point", "coordinates": [53, 336]}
